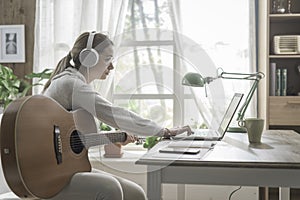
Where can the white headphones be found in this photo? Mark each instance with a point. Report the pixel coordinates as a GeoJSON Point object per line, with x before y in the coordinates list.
{"type": "Point", "coordinates": [88, 56]}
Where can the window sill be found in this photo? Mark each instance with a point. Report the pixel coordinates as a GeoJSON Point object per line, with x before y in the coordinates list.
{"type": "Point", "coordinates": [125, 164]}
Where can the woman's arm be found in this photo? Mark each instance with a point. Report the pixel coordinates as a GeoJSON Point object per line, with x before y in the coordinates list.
{"type": "Point", "coordinates": [85, 97]}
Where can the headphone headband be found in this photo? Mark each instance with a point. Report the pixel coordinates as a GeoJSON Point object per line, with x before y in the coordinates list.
{"type": "Point", "coordinates": [89, 44]}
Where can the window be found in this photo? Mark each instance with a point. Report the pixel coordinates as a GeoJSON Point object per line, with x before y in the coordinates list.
{"type": "Point", "coordinates": [144, 77]}
{"type": "Point", "coordinates": [148, 73]}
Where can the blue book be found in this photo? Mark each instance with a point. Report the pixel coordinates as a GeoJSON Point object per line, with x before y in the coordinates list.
{"type": "Point", "coordinates": [283, 82]}
{"type": "Point", "coordinates": [278, 83]}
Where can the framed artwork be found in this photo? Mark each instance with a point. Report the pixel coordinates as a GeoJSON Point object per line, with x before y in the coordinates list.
{"type": "Point", "coordinates": [12, 43]}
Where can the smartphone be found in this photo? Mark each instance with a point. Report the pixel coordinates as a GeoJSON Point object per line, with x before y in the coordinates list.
{"type": "Point", "coordinates": [180, 150]}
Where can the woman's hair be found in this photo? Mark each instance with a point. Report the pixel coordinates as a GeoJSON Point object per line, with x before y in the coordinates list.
{"type": "Point", "coordinates": [100, 42]}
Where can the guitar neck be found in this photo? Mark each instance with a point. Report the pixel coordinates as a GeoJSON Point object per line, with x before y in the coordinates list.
{"type": "Point", "coordinates": [95, 139]}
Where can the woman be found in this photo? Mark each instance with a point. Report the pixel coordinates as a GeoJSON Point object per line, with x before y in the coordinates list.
{"type": "Point", "coordinates": [90, 59]}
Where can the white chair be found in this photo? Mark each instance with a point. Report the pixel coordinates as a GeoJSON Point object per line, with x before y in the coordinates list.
{"type": "Point", "coordinates": [5, 192]}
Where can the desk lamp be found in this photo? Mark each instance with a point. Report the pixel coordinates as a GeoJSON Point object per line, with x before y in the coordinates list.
{"type": "Point", "coordinates": [196, 80]}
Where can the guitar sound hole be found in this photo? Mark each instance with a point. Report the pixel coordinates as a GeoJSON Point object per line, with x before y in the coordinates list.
{"type": "Point", "coordinates": [76, 143]}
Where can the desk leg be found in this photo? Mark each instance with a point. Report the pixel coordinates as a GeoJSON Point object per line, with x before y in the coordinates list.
{"type": "Point", "coordinates": [154, 191]}
{"type": "Point", "coordinates": [263, 193]}
{"type": "Point", "coordinates": [284, 193]}
{"type": "Point", "coordinates": [180, 191]}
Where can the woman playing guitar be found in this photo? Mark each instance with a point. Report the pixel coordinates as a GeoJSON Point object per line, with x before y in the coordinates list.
{"type": "Point", "coordinates": [90, 59]}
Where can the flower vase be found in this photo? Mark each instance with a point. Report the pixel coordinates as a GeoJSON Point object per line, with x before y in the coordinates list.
{"type": "Point", "coordinates": [113, 150]}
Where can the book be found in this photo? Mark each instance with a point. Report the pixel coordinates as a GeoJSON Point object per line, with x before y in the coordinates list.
{"type": "Point", "coordinates": [272, 82]}
{"type": "Point", "coordinates": [283, 82]}
{"type": "Point", "coordinates": [278, 82]}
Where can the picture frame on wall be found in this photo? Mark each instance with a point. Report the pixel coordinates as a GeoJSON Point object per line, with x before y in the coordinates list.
{"type": "Point", "coordinates": [12, 43]}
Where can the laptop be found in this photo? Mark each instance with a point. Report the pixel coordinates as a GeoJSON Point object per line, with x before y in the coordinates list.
{"type": "Point", "coordinates": [211, 134]}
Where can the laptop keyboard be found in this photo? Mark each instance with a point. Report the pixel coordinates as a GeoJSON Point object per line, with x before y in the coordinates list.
{"type": "Point", "coordinates": [205, 133]}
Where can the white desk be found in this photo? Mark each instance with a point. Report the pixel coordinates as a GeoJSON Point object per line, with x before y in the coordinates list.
{"type": "Point", "coordinates": [273, 163]}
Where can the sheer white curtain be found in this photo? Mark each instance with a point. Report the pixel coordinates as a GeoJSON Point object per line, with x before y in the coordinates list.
{"type": "Point", "coordinates": [59, 23]}
{"type": "Point", "coordinates": [114, 14]}
{"type": "Point", "coordinates": [213, 34]}
{"type": "Point", "coordinates": [191, 52]}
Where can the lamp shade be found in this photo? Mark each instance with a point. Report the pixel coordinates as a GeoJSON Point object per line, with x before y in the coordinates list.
{"type": "Point", "coordinates": [193, 79]}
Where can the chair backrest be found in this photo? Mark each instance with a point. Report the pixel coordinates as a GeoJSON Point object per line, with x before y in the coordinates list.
{"type": "Point", "coordinates": [3, 186]}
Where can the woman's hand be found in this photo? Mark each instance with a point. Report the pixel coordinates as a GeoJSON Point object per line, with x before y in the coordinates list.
{"type": "Point", "coordinates": [129, 139]}
{"type": "Point", "coordinates": [176, 130]}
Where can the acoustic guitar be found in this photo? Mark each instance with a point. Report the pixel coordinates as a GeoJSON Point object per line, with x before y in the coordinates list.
{"type": "Point", "coordinates": [43, 145]}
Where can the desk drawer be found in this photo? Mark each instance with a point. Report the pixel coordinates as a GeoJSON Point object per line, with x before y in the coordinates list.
{"type": "Point", "coordinates": [284, 110]}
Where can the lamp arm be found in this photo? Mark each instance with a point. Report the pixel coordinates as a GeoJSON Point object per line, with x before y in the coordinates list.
{"type": "Point", "coordinates": [244, 76]}
{"type": "Point", "coordinates": [241, 76]}
{"type": "Point", "coordinates": [244, 107]}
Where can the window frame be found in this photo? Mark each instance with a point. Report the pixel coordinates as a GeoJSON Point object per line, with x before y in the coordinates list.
{"type": "Point", "coordinates": [177, 91]}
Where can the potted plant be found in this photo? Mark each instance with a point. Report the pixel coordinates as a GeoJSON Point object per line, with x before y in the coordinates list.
{"type": "Point", "coordinates": [12, 87]}
{"type": "Point", "coordinates": [151, 141]}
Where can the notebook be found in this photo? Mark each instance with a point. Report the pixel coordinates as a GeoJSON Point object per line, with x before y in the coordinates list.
{"type": "Point", "coordinates": [212, 134]}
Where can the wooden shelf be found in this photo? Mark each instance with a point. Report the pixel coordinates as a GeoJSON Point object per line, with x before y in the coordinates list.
{"type": "Point", "coordinates": [284, 17]}
{"type": "Point", "coordinates": [284, 110]}
{"type": "Point", "coordinates": [285, 56]}
{"type": "Point", "coordinates": [285, 97]}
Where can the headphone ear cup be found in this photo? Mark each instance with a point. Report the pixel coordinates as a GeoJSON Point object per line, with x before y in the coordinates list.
{"type": "Point", "coordinates": [89, 57]}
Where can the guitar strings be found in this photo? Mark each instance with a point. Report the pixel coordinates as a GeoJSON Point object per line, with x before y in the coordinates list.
{"type": "Point", "coordinates": [80, 144]}
{"type": "Point", "coordinates": [92, 139]}
{"type": "Point", "coordinates": [95, 142]}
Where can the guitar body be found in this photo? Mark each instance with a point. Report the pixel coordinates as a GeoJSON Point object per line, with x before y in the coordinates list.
{"type": "Point", "coordinates": [37, 156]}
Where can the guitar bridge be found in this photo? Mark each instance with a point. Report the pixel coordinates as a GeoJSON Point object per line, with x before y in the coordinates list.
{"type": "Point", "coordinates": [57, 144]}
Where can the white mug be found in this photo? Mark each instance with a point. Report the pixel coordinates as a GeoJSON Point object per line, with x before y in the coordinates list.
{"type": "Point", "coordinates": [254, 128]}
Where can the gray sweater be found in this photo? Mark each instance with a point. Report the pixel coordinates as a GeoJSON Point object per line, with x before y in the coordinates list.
{"type": "Point", "coordinates": [71, 90]}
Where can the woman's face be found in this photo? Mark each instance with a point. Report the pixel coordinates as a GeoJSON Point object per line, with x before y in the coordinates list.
{"type": "Point", "coordinates": [102, 69]}
{"type": "Point", "coordinates": [106, 72]}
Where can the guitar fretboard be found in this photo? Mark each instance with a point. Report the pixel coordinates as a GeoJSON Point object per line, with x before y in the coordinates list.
{"type": "Point", "coordinates": [95, 139]}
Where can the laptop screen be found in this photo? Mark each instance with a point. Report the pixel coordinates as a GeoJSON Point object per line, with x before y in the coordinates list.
{"type": "Point", "coordinates": [235, 101]}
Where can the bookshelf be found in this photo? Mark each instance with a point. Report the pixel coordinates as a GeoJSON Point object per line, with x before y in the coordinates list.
{"type": "Point", "coordinates": [279, 112]}
{"type": "Point", "coordinates": [282, 110]}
